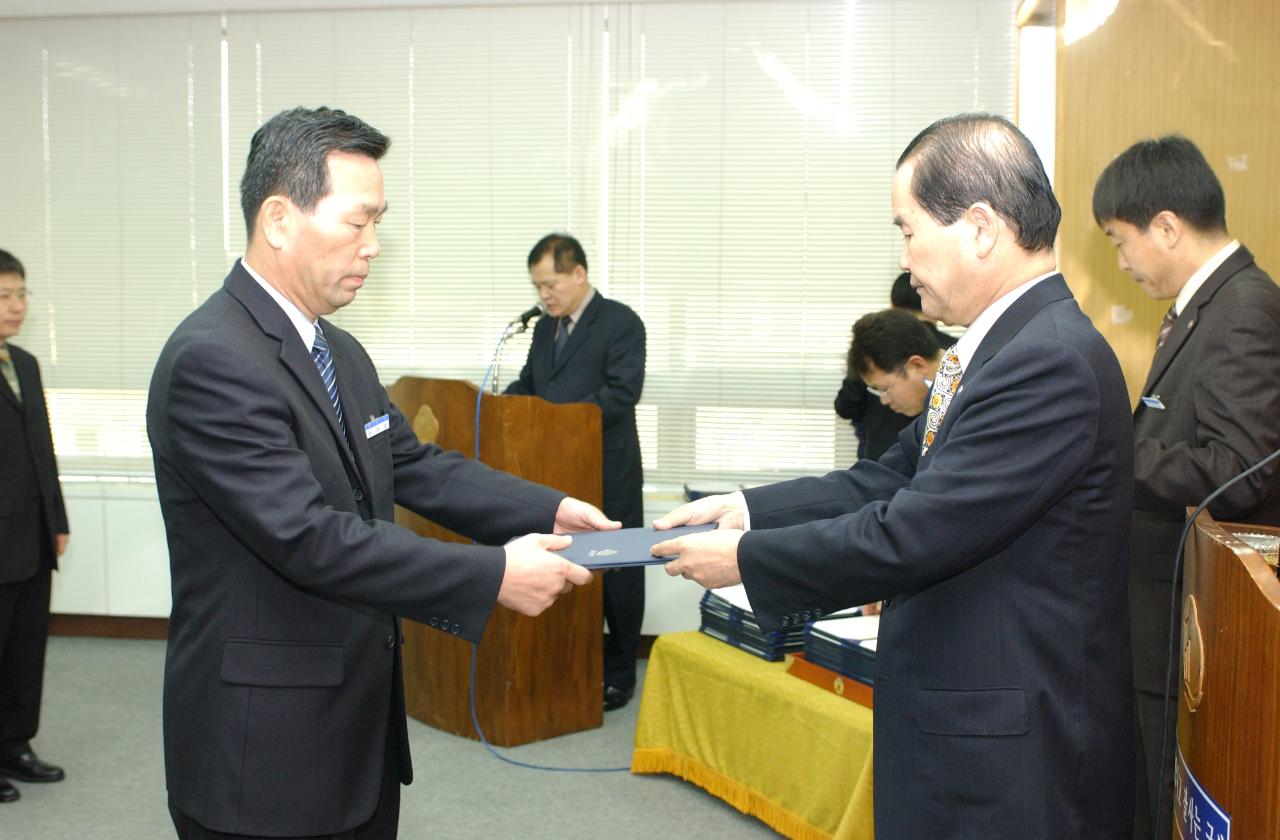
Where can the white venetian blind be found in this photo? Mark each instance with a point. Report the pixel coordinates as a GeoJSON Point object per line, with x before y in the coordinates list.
{"type": "Point", "coordinates": [725, 164]}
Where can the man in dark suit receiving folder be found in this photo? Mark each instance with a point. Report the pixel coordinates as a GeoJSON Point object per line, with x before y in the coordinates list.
{"type": "Point", "coordinates": [1210, 407]}
{"type": "Point", "coordinates": [278, 460]}
{"type": "Point", "coordinates": [997, 526]}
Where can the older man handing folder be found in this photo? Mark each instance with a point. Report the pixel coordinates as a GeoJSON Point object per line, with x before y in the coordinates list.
{"type": "Point", "coordinates": [997, 527]}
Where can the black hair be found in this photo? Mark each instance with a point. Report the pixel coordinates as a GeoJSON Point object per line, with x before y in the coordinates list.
{"type": "Point", "coordinates": [1154, 175]}
{"type": "Point", "coordinates": [289, 156]}
{"type": "Point", "coordinates": [887, 339]}
{"type": "Point", "coordinates": [9, 264]}
{"type": "Point", "coordinates": [566, 252]}
{"type": "Point", "coordinates": [903, 295]}
{"type": "Point", "coordinates": [962, 160]}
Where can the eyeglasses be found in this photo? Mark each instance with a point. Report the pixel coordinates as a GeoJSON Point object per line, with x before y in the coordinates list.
{"type": "Point", "coordinates": [882, 393]}
{"type": "Point", "coordinates": [21, 295]}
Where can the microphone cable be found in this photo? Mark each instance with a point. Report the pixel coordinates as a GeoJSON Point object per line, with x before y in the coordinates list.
{"type": "Point", "coordinates": [1174, 621]}
{"type": "Point", "coordinates": [508, 759]}
{"type": "Point", "coordinates": [471, 694]}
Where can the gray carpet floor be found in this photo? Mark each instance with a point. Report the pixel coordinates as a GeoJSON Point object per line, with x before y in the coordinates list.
{"type": "Point", "coordinates": [101, 722]}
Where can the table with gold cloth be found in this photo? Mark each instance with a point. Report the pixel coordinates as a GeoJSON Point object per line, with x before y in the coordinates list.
{"type": "Point", "coordinates": [771, 745]}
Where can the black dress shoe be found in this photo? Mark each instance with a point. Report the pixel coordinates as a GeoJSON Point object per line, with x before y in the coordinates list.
{"type": "Point", "coordinates": [8, 793]}
{"type": "Point", "coordinates": [25, 767]}
{"type": "Point", "coordinates": [616, 698]}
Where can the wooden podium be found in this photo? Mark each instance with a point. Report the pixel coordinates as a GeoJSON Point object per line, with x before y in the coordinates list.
{"type": "Point", "coordinates": [1229, 695]}
{"type": "Point", "coordinates": [535, 677]}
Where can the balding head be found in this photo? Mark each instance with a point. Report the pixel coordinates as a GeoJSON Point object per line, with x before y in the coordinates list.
{"type": "Point", "coordinates": [970, 158]}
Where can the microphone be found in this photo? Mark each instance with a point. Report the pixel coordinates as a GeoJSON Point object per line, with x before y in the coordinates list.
{"type": "Point", "coordinates": [528, 315]}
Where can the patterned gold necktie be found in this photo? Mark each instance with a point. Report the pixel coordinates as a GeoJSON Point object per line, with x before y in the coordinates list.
{"type": "Point", "coordinates": [945, 385]}
{"type": "Point", "coordinates": [10, 375]}
{"type": "Point", "coordinates": [1166, 326]}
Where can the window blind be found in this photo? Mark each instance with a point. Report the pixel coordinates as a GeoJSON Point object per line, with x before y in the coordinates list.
{"type": "Point", "coordinates": [725, 164]}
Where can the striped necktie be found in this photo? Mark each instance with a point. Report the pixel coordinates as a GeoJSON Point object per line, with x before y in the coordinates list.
{"type": "Point", "coordinates": [324, 363]}
{"type": "Point", "coordinates": [10, 375]}
{"type": "Point", "coordinates": [946, 383]}
{"type": "Point", "coordinates": [1166, 326]}
{"type": "Point", "coordinates": [562, 335]}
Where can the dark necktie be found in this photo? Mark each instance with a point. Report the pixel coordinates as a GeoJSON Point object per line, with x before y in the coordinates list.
{"type": "Point", "coordinates": [324, 363]}
{"type": "Point", "coordinates": [1166, 326]}
{"type": "Point", "coordinates": [562, 335]}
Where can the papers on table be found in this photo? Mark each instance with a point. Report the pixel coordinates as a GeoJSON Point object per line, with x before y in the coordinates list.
{"type": "Point", "coordinates": [844, 645]}
{"type": "Point", "coordinates": [727, 616]}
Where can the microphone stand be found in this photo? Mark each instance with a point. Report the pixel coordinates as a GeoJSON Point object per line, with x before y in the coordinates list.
{"type": "Point", "coordinates": [515, 327]}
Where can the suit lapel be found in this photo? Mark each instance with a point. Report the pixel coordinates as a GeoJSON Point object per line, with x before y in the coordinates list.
{"type": "Point", "coordinates": [1048, 290]}
{"type": "Point", "coordinates": [1008, 325]}
{"type": "Point", "coordinates": [579, 335]}
{"type": "Point", "coordinates": [295, 358]}
{"type": "Point", "coordinates": [1190, 315]}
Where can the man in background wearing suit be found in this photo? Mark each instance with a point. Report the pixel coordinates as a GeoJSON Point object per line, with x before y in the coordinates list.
{"type": "Point", "coordinates": [997, 525]}
{"type": "Point", "coordinates": [897, 356]}
{"type": "Point", "coordinates": [590, 349]}
{"type": "Point", "coordinates": [278, 460]}
{"type": "Point", "coordinates": [33, 533]}
{"type": "Point", "coordinates": [875, 423]}
{"type": "Point", "coordinates": [1208, 410]}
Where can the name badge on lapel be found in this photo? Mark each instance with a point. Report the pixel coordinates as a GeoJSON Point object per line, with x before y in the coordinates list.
{"type": "Point", "coordinates": [376, 426]}
{"type": "Point", "coordinates": [1153, 401]}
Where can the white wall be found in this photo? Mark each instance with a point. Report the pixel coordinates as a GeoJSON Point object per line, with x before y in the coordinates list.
{"type": "Point", "coordinates": [117, 562]}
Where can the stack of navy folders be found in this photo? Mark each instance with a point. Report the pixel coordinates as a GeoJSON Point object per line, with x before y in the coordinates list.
{"type": "Point", "coordinates": [844, 645]}
{"type": "Point", "coordinates": [727, 616]}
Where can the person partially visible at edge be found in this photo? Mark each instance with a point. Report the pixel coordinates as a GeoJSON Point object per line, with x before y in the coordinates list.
{"type": "Point", "coordinates": [1208, 408]}
{"type": "Point", "coordinates": [33, 533]}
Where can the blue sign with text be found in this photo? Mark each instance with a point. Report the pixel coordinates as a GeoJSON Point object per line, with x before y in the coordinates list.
{"type": "Point", "coordinates": [1196, 816]}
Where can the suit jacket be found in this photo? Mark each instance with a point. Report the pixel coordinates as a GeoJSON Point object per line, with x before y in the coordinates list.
{"type": "Point", "coordinates": [1218, 378]}
{"type": "Point", "coordinates": [283, 674]}
{"type": "Point", "coordinates": [32, 512]}
{"type": "Point", "coordinates": [1003, 704]}
{"type": "Point", "coordinates": [602, 363]}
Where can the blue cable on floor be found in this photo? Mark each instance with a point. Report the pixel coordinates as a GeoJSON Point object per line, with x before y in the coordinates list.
{"type": "Point", "coordinates": [476, 721]}
{"type": "Point", "coordinates": [471, 697]}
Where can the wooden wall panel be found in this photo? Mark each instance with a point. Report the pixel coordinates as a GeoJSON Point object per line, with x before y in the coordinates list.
{"type": "Point", "coordinates": [1207, 69]}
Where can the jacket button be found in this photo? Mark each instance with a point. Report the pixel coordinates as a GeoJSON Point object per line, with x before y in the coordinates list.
{"type": "Point", "coordinates": [390, 642]}
{"type": "Point", "coordinates": [455, 629]}
{"type": "Point", "coordinates": [359, 494]}
{"type": "Point", "coordinates": [435, 622]}
{"type": "Point", "coordinates": [786, 621]}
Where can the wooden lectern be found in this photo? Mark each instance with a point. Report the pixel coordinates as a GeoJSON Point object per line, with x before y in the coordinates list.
{"type": "Point", "coordinates": [535, 677]}
{"type": "Point", "coordinates": [1229, 693]}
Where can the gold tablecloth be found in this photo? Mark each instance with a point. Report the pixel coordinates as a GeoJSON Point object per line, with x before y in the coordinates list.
{"type": "Point", "coordinates": [771, 745]}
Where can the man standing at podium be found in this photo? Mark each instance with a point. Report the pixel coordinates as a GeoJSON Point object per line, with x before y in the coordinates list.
{"type": "Point", "coordinates": [996, 527]}
{"type": "Point", "coordinates": [1208, 409]}
{"type": "Point", "coordinates": [278, 460]}
{"type": "Point", "coordinates": [589, 349]}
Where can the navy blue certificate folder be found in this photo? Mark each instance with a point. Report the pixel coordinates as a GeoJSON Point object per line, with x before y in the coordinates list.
{"type": "Point", "coordinates": [626, 547]}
